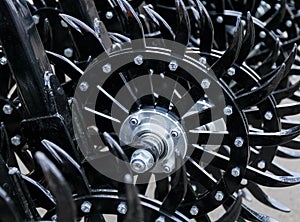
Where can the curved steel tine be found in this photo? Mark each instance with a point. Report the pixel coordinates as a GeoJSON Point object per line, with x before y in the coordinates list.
{"type": "Point", "coordinates": [289, 109]}
{"type": "Point", "coordinates": [8, 209]}
{"type": "Point", "coordinates": [135, 210]}
{"type": "Point", "coordinates": [256, 96]}
{"type": "Point", "coordinates": [70, 167]}
{"type": "Point", "coordinates": [276, 19]}
{"type": "Point", "coordinates": [4, 143]}
{"type": "Point", "coordinates": [233, 212]}
{"type": "Point", "coordinates": [48, 34]}
{"type": "Point", "coordinates": [207, 31]}
{"type": "Point", "coordinates": [280, 170]}
{"type": "Point", "coordinates": [165, 28]}
{"type": "Point", "coordinates": [294, 144]}
{"type": "Point", "coordinates": [183, 32]}
{"type": "Point", "coordinates": [285, 153]}
{"type": "Point", "coordinates": [231, 54]}
{"type": "Point", "coordinates": [261, 196]}
{"type": "Point", "coordinates": [286, 92]}
{"type": "Point", "coordinates": [289, 61]}
{"type": "Point", "coordinates": [248, 41]}
{"type": "Point", "coordinates": [65, 210]}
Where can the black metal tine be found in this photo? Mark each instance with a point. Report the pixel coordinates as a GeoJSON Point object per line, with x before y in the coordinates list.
{"type": "Point", "coordinates": [70, 168]}
{"type": "Point", "coordinates": [277, 169]}
{"type": "Point", "coordinates": [248, 41]}
{"type": "Point", "coordinates": [164, 27]}
{"type": "Point", "coordinates": [197, 172]}
{"type": "Point", "coordinates": [48, 34]}
{"type": "Point", "coordinates": [178, 189]}
{"type": "Point", "coordinates": [8, 209]}
{"type": "Point", "coordinates": [256, 96]}
{"type": "Point", "coordinates": [276, 19]}
{"type": "Point", "coordinates": [289, 109]}
{"type": "Point", "coordinates": [135, 211]}
{"type": "Point", "coordinates": [183, 32]}
{"type": "Point", "coordinates": [286, 92]}
{"type": "Point", "coordinates": [260, 195]}
{"type": "Point", "coordinates": [294, 144]}
{"type": "Point", "coordinates": [4, 143]}
{"type": "Point", "coordinates": [65, 210]}
{"type": "Point", "coordinates": [270, 60]}
{"type": "Point", "coordinates": [285, 153]}
{"type": "Point", "coordinates": [207, 31]}
{"type": "Point", "coordinates": [233, 212]}
{"type": "Point", "coordinates": [39, 3]}
{"type": "Point", "coordinates": [231, 54]}
{"type": "Point", "coordinates": [289, 61]}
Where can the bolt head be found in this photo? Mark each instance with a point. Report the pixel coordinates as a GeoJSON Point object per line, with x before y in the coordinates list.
{"type": "Point", "coordinates": [228, 110]}
{"type": "Point", "coordinates": [36, 19]}
{"type": "Point", "coordinates": [205, 84]}
{"type": "Point", "coordinates": [173, 66]}
{"type": "Point", "coordinates": [244, 182]}
{"type": "Point", "coordinates": [174, 133]}
{"type": "Point", "coordinates": [203, 60]}
{"type": "Point", "coordinates": [122, 208]}
{"type": "Point", "coordinates": [262, 34]}
{"type": "Point", "coordinates": [219, 196]}
{"type": "Point", "coordinates": [277, 6]}
{"type": "Point", "coordinates": [261, 164]}
{"type": "Point", "coordinates": [54, 218]}
{"type": "Point", "coordinates": [134, 122]}
{"type": "Point", "coordinates": [268, 115]}
{"type": "Point", "coordinates": [167, 169]}
{"type": "Point", "coordinates": [138, 60]}
{"type": "Point", "coordinates": [160, 219]}
{"type": "Point", "coordinates": [7, 109]}
{"type": "Point", "coordinates": [236, 172]}
{"type": "Point", "coordinates": [220, 19]}
{"type": "Point", "coordinates": [141, 161]}
{"type": "Point", "coordinates": [194, 210]}
{"type": "Point", "coordinates": [109, 15]}
{"type": "Point", "coordinates": [239, 142]}
{"type": "Point", "coordinates": [63, 24]}
{"type": "Point", "coordinates": [68, 52]}
{"type": "Point", "coordinates": [3, 60]}
{"type": "Point", "coordinates": [86, 207]}
{"type": "Point", "coordinates": [106, 68]}
{"type": "Point", "coordinates": [84, 86]}
{"type": "Point", "coordinates": [288, 23]}
{"type": "Point", "coordinates": [231, 71]}
{"type": "Point", "coordinates": [16, 140]}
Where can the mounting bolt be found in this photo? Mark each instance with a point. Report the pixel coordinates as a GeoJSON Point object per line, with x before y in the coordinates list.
{"type": "Point", "coordinates": [122, 208]}
{"type": "Point", "coordinates": [203, 60]}
{"type": "Point", "coordinates": [277, 6]}
{"type": "Point", "coordinates": [167, 168]}
{"type": "Point", "coordinates": [16, 140]}
{"type": "Point", "coordinates": [138, 60]}
{"type": "Point", "coordinates": [173, 65]}
{"type": "Point", "coordinates": [205, 84]}
{"type": "Point", "coordinates": [228, 110]}
{"type": "Point", "coordinates": [68, 52]}
{"type": "Point", "coordinates": [141, 161]}
{"type": "Point", "coordinates": [7, 109]}
{"type": "Point", "coordinates": [3, 60]}
{"type": "Point", "coordinates": [36, 19]}
{"type": "Point", "coordinates": [231, 71]}
{"type": "Point", "coordinates": [289, 23]}
{"type": "Point", "coordinates": [160, 219]}
{"type": "Point", "coordinates": [219, 196]}
{"type": "Point", "coordinates": [236, 172]}
{"type": "Point", "coordinates": [268, 115]}
{"type": "Point", "coordinates": [194, 210]}
{"type": "Point", "coordinates": [106, 68]}
{"type": "Point", "coordinates": [220, 19]}
{"type": "Point", "coordinates": [134, 121]}
{"type": "Point", "coordinates": [174, 133]}
{"type": "Point", "coordinates": [261, 164]}
{"type": "Point", "coordinates": [244, 182]}
{"type": "Point", "coordinates": [109, 15]}
{"type": "Point", "coordinates": [84, 86]}
{"type": "Point", "coordinates": [239, 142]}
{"type": "Point", "coordinates": [54, 218]}
{"type": "Point", "coordinates": [262, 34]}
{"type": "Point", "coordinates": [86, 207]}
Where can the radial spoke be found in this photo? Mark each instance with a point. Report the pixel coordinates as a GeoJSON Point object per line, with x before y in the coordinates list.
{"type": "Point", "coordinates": [102, 115]}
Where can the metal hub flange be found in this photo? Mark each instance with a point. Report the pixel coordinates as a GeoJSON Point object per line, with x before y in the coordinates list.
{"type": "Point", "coordinates": [158, 138]}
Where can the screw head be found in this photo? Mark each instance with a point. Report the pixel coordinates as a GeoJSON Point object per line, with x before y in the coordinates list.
{"type": "Point", "coordinates": [205, 84]}
{"type": "Point", "coordinates": [288, 23]}
{"type": "Point", "coordinates": [106, 68]}
{"type": "Point", "coordinates": [203, 60]}
{"type": "Point", "coordinates": [261, 164]}
{"type": "Point", "coordinates": [16, 140]}
{"type": "Point", "coordinates": [268, 115]}
{"type": "Point", "coordinates": [220, 19]}
{"type": "Point", "coordinates": [174, 133]}
{"type": "Point", "coordinates": [138, 60]}
{"type": "Point", "coordinates": [3, 60]}
{"type": "Point", "coordinates": [68, 52]}
{"type": "Point", "coordinates": [160, 219]}
{"type": "Point", "coordinates": [141, 161]}
{"type": "Point", "coordinates": [86, 207]}
{"type": "Point", "coordinates": [122, 208]}
{"type": "Point", "coordinates": [219, 196]}
{"type": "Point", "coordinates": [36, 19]}
{"type": "Point", "coordinates": [239, 142]}
{"type": "Point", "coordinates": [228, 110]}
{"type": "Point", "coordinates": [7, 109]}
{"type": "Point", "coordinates": [244, 182]}
{"type": "Point", "coordinates": [173, 65]}
{"type": "Point", "coordinates": [236, 172]}
{"type": "Point", "coordinates": [277, 6]}
{"type": "Point", "coordinates": [84, 86]}
{"type": "Point", "coordinates": [134, 121]}
{"type": "Point", "coordinates": [231, 71]}
{"type": "Point", "coordinates": [262, 34]}
{"type": "Point", "coordinates": [109, 15]}
{"type": "Point", "coordinates": [194, 210]}
{"type": "Point", "coordinates": [167, 169]}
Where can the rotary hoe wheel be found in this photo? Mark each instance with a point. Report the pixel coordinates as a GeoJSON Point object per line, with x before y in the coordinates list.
{"type": "Point", "coordinates": [146, 110]}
